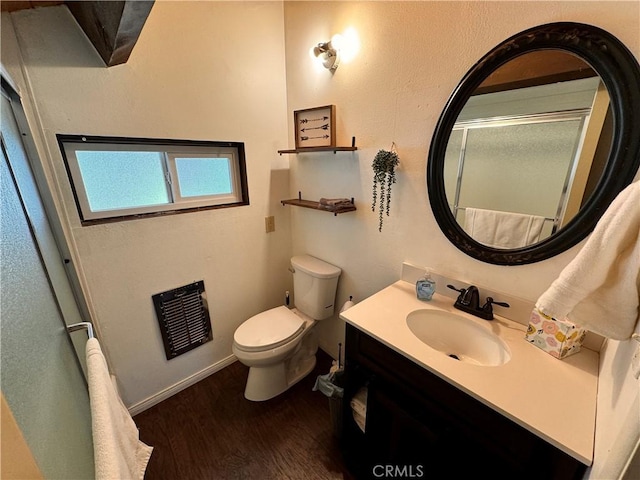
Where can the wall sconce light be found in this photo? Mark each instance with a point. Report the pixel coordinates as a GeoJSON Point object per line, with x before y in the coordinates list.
{"type": "Point", "coordinates": [329, 52]}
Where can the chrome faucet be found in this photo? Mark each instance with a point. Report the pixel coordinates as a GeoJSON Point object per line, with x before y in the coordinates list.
{"type": "Point", "coordinates": [469, 301]}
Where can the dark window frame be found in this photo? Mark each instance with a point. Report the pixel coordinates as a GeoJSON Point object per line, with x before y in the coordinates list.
{"type": "Point", "coordinates": [153, 142]}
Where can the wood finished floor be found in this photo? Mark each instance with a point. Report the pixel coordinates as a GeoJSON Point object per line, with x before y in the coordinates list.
{"type": "Point", "coordinates": [210, 431]}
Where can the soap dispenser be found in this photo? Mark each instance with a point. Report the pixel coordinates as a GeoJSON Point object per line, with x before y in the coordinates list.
{"type": "Point", "coordinates": [425, 286]}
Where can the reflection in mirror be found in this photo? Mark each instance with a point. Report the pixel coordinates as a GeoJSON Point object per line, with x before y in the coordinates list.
{"type": "Point", "coordinates": [527, 149]}
{"type": "Point", "coordinates": [540, 135]}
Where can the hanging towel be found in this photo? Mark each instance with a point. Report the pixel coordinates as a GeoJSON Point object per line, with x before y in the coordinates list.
{"type": "Point", "coordinates": [118, 452]}
{"type": "Point", "coordinates": [600, 288]}
{"type": "Point", "coordinates": [503, 229]}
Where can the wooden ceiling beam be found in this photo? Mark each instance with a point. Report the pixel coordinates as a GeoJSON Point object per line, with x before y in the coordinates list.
{"type": "Point", "coordinates": [112, 27]}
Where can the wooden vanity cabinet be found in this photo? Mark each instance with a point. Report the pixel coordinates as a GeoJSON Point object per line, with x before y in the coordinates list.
{"type": "Point", "coordinates": [420, 426]}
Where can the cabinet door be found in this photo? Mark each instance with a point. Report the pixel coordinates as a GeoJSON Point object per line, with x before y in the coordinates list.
{"type": "Point", "coordinates": [401, 435]}
{"type": "Point", "coordinates": [418, 437]}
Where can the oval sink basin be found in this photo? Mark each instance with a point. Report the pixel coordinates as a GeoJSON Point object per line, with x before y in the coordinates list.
{"type": "Point", "coordinates": [458, 337]}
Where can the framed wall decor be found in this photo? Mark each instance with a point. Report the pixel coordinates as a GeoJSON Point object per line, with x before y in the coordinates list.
{"type": "Point", "coordinates": [315, 127]}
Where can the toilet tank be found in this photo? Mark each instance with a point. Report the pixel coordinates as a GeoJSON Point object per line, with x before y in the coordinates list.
{"type": "Point", "coordinates": [314, 286]}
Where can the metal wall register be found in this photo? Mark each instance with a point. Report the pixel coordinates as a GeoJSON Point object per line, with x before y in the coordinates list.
{"type": "Point", "coordinates": [183, 317]}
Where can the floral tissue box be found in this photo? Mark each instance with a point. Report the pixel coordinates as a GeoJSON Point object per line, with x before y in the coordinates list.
{"type": "Point", "coordinates": [559, 338]}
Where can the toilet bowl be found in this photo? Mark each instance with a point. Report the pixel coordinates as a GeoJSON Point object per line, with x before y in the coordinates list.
{"type": "Point", "coordinates": [270, 355]}
{"type": "Point", "coordinates": [279, 345]}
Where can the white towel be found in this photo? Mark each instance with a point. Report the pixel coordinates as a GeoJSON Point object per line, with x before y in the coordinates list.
{"type": "Point", "coordinates": [359, 407]}
{"type": "Point", "coordinates": [118, 452]}
{"type": "Point", "coordinates": [503, 229]}
{"type": "Point", "coordinates": [600, 288]}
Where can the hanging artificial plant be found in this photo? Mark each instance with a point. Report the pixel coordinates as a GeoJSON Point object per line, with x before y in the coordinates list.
{"type": "Point", "coordinates": [384, 175]}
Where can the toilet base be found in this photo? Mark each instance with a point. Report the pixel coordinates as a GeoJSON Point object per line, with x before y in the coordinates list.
{"type": "Point", "coordinates": [302, 371]}
{"type": "Point", "coordinates": [267, 381]}
{"type": "Point", "coordinates": [264, 383]}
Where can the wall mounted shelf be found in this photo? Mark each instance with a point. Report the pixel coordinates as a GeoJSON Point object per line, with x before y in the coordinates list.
{"type": "Point", "coordinates": [299, 202]}
{"type": "Point", "coordinates": [319, 149]}
{"type": "Point", "coordinates": [352, 148]}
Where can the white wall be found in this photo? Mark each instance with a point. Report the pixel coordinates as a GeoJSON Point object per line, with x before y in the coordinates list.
{"type": "Point", "coordinates": [618, 417]}
{"type": "Point", "coordinates": [413, 54]}
{"type": "Point", "coordinates": [192, 63]}
{"type": "Point", "coordinates": [200, 70]}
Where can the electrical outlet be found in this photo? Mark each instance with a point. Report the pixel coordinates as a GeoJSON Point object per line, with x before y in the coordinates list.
{"type": "Point", "coordinates": [269, 224]}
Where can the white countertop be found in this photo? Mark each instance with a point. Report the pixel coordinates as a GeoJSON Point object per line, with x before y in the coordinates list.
{"type": "Point", "coordinates": [555, 399]}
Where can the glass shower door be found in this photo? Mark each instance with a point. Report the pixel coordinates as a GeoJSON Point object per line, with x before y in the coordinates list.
{"type": "Point", "coordinates": [42, 380]}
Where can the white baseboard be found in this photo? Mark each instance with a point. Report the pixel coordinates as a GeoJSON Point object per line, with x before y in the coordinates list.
{"type": "Point", "coordinates": [181, 385]}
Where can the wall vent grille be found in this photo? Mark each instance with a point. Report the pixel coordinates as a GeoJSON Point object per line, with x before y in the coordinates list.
{"type": "Point", "coordinates": [183, 318]}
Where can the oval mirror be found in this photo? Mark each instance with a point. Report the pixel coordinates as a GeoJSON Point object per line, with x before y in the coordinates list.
{"type": "Point", "coordinates": [535, 143]}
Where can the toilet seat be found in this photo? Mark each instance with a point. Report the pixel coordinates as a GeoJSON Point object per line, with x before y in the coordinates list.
{"type": "Point", "coordinates": [269, 329]}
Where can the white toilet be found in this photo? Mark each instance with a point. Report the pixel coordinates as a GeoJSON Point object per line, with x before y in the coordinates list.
{"type": "Point", "coordinates": [279, 345]}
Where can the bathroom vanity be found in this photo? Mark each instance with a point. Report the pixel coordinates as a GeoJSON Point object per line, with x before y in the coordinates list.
{"type": "Point", "coordinates": [431, 416]}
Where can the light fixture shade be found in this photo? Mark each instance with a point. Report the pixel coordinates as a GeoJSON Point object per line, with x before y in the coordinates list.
{"type": "Point", "coordinates": [329, 56]}
{"type": "Point", "coordinates": [337, 41]}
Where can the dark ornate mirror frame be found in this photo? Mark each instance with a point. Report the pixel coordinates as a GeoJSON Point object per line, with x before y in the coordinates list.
{"type": "Point", "coordinates": [620, 73]}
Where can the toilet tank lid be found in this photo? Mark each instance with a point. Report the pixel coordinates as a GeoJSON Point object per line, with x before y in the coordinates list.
{"type": "Point", "coordinates": [315, 267]}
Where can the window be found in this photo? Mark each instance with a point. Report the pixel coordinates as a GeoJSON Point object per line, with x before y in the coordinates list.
{"type": "Point", "coordinates": [117, 178]}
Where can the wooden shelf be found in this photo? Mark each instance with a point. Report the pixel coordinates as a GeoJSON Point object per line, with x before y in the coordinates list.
{"type": "Point", "coordinates": [299, 202]}
{"type": "Point", "coordinates": [319, 149]}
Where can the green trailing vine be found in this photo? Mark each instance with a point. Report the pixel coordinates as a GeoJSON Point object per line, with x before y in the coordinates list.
{"type": "Point", "coordinates": [384, 175]}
